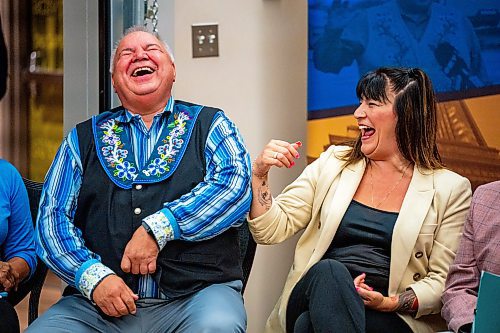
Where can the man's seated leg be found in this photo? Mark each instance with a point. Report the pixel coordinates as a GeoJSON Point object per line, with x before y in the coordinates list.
{"type": "Point", "coordinates": [217, 308]}
{"type": "Point", "coordinates": [76, 314]}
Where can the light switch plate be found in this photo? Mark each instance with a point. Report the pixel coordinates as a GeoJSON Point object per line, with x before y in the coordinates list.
{"type": "Point", "coordinates": [205, 40]}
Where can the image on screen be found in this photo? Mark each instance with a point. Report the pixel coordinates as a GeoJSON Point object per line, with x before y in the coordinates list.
{"type": "Point", "coordinates": [456, 42]}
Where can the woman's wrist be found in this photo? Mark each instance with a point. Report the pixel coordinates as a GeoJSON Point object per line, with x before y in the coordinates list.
{"type": "Point", "coordinates": [259, 175]}
{"type": "Point", "coordinates": [406, 302]}
{"type": "Point", "coordinates": [389, 304]}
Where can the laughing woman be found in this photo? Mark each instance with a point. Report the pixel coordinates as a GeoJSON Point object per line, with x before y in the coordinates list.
{"type": "Point", "coordinates": [382, 217]}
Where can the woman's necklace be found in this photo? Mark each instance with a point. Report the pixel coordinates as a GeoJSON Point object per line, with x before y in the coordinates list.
{"type": "Point", "coordinates": [388, 192]}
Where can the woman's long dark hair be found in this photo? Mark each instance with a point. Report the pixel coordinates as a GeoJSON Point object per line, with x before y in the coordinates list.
{"type": "Point", "coordinates": [415, 108]}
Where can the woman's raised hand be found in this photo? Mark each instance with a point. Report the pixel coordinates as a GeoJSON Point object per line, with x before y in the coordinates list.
{"type": "Point", "coordinates": [276, 153]}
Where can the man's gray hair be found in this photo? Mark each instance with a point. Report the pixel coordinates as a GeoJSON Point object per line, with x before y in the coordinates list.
{"type": "Point", "coordinates": [138, 28]}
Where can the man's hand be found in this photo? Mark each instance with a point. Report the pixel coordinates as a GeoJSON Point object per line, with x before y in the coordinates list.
{"type": "Point", "coordinates": [140, 253]}
{"type": "Point", "coordinates": [9, 278]}
{"type": "Point", "coordinates": [114, 297]}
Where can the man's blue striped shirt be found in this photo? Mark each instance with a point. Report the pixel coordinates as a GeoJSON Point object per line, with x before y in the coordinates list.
{"type": "Point", "coordinates": [213, 206]}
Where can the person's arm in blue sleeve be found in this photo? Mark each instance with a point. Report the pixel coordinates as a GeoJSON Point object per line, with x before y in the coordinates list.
{"type": "Point", "coordinates": [59, 242]}
{"type": "Point", "coordinates": [19, 242]}
{"type": "Point", "coordinates": [217, 203]}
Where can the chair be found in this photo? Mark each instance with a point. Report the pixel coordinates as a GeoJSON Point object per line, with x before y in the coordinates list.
{"type": "Point", "coordinates": [486, 318]}
{"type": "Point", "coordinates": [247, 251]}
{"type": "Point", "coordinates": [36, 282]}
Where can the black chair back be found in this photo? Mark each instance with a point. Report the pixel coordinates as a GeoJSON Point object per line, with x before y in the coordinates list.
{"type": "Point", "coordinates": [247, 251]}
{"type": "Point", "coordinates": [37, 280]}
{"type": "Point", "coordinates": [34, 197]}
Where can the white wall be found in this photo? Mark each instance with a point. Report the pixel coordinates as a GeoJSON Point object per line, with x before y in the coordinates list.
{"type": "Point", "coordinates": [81, 61]}
{"type": "Point", "coordinates": [259, 79]}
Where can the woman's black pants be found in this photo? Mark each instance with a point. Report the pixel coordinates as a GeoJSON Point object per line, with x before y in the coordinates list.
{"type": "Point", "coordinates": [9, 323]}
{"type": "Point", "coordinates": [325, 300]}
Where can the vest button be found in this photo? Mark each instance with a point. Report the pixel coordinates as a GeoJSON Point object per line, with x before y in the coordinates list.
{"type": "Point", "coordinates": [416, 277]}
{"type": "Point", "coordinates": [138, 187]}
{"type": "Point", "coordinates": [137, 211]}
{"type": "Point", "coordinates": [418, 255]}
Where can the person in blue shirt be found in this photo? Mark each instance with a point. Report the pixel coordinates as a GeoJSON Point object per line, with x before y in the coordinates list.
{"type": "Point", "coordinates": [17, 246]}
{"type": "Point", "coordinates": [139, 209]}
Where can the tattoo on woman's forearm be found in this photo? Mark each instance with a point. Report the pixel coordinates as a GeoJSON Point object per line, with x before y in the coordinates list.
{"type": "Point", "coordinates": [264, 195]}
{"type": "Point", "coordinates": [407, 302]}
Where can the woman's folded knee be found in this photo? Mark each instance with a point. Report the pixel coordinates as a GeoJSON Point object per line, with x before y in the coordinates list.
{"type": "Point", "coordinates": [330, 267]}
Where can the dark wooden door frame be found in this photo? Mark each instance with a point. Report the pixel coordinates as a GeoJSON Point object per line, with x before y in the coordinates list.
{"type": "Point", "coordinates": [104, 56]}
{"type": "Point", "coordinates": [19, 38]}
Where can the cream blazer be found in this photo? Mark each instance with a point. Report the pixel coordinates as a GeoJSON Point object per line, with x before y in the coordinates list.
{"type": "Point", "coordinates": [424, 240]}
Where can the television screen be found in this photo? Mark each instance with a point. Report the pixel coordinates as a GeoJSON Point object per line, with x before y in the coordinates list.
{"type": "Point", "coordinates": [456, 42]}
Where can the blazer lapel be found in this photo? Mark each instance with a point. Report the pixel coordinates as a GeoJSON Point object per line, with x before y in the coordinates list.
{"type": "Point", "coordinates": [415, 206]}
{"type": "Point", "coordinates": [350, 178]}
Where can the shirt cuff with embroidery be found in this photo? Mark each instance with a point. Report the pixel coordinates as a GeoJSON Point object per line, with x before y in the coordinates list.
{"type": "Point", "coordinates": [163, 226]}
{"type": "Point", "coordinates": [89, 275]}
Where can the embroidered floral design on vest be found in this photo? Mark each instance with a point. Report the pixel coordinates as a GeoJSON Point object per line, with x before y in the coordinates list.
{"type": "Point", "coordinates": [114, 153]}
{"type": "Point", "coordinates": [114, 147]}
{"type": "Point", "coordinates": [172, 145]}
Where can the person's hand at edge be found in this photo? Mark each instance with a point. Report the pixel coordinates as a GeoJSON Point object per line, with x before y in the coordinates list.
{"type": "Point", "coordinates": [8, 278]}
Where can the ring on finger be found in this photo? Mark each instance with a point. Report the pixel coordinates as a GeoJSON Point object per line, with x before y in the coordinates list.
{"type": "Point", "coordinates": [275, 156]}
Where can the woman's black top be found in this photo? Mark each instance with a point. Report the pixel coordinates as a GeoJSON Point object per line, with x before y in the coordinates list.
{"type": "Point", "coordinates": [363, 244]}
